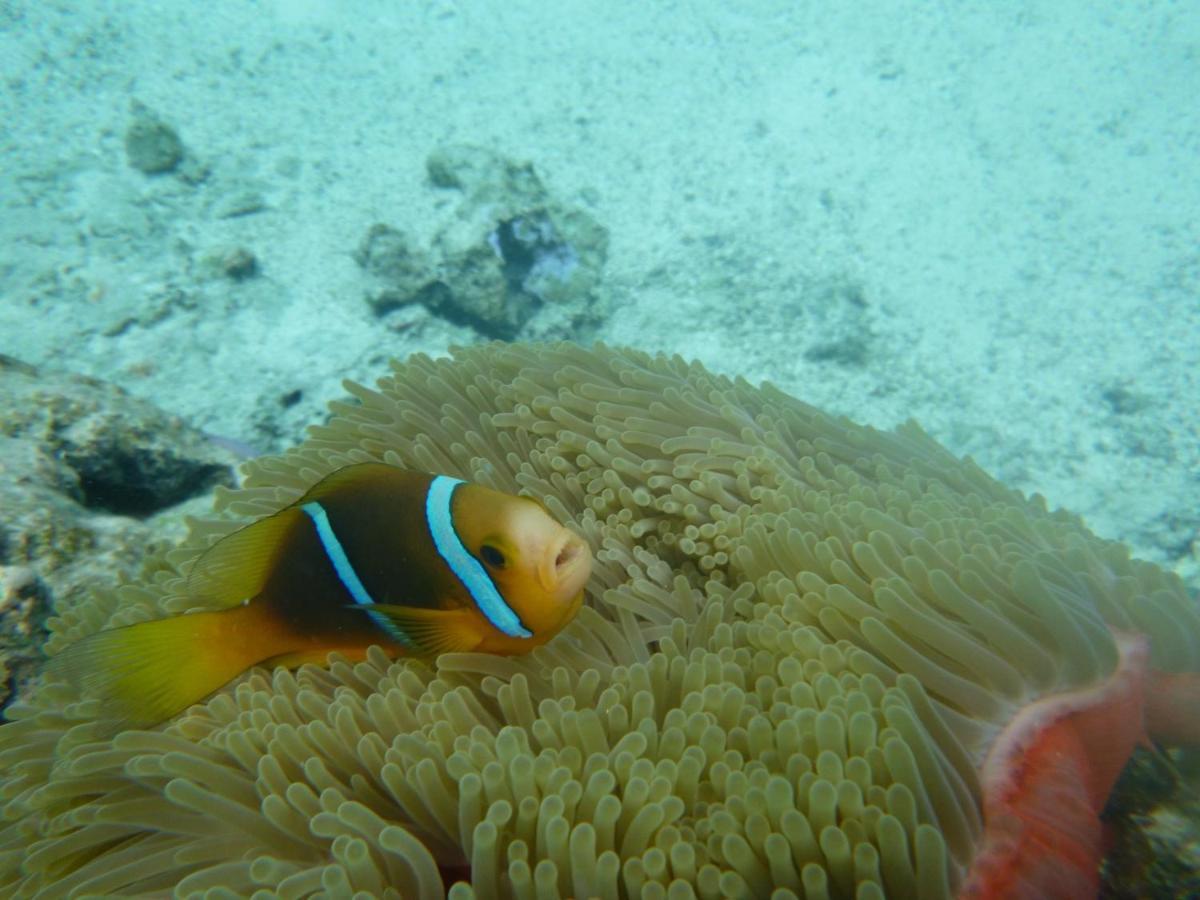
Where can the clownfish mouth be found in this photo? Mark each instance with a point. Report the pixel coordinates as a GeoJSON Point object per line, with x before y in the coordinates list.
{"type": "Point", "coordinates": [565, 567]}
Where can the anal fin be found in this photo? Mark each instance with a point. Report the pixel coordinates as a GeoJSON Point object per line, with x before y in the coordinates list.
{"type": "Point", "coordinates": [314, 657]}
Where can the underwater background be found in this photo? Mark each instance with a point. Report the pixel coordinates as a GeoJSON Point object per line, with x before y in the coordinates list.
{"type": "Point", "coordinates": [981, 217]}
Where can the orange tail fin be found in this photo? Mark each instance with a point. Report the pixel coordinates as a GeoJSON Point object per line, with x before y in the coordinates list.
{"type": "Point", "coordinates": [148, 672]}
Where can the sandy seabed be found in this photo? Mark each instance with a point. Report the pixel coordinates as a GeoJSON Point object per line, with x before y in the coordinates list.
{"type": "Point", "coordinates": [984, 219]}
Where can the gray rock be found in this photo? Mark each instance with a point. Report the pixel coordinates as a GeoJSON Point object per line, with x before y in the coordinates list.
{"type": "Point", "coordinates": [506, 264]}
{"type": "Point", "coordinates": [239, 200]}
{"type": "Point", "coordinates": [485, 176]}
{"type": "Point", "coordinates": [24, 607]}
{"type": "Point", "coordinates": [511, 261]}
{"type": "Point", "coordinates": [401, 271]}
{"type": "Point", "coordinates": [151, 145]}
{"type": "Point", "coordinates": [233, 262]}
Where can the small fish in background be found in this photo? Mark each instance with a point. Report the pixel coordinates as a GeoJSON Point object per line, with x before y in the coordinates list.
{"type": "Point", "coordinates": [238, 448]}
{"type": "Point", "coordinates": [373, 554]}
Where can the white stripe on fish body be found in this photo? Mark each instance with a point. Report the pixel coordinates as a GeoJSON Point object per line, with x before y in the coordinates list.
{"type": "Point", "coordinates": [346, 574]}
{"type": "Point", "coordinates": [465, 566]}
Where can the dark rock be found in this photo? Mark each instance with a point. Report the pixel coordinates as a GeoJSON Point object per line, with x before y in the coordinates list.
{"type": "Point", "coordinates": [128, 464]}
{"type": "Point", "coordinates": [1153, 822]}
{"type": "Point", "coordinates": [53, 551]}
{"type": "Point", "coordinates": [239, 264]}
{"type": "Point", "coordinates": [1124, 401]}
{"type": "Point", "coordinates": [852, 351]}
{"type": "Point", "coordinates": [123, 454]}
{"type": "Point", "coordinates": [91, 481]}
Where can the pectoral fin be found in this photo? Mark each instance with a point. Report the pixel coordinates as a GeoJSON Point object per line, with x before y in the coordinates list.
{"type": "Point", "coordinates": [429, 631]}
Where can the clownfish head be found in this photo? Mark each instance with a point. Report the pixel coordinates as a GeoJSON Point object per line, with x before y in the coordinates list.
{"type": "Point", "coordinates": [538, 566]}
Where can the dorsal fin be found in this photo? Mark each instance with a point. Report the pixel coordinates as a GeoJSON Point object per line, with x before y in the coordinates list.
{"type": "Point", "coordinates": [236, 567]}
{"type": "Point", "coordinates": [353, 476]}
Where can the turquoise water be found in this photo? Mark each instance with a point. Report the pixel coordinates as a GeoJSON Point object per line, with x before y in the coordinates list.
{"type": "Point", "coordinates": [981, 217]}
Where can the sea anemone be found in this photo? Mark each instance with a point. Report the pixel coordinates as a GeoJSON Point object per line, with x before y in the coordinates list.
{"type": "Point", "coordinates": [810, 656]}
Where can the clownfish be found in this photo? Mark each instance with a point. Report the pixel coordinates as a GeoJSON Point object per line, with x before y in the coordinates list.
{"type": "Point", "coordinates": [372, 554]}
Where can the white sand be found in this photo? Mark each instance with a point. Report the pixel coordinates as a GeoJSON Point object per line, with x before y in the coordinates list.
{"type": "Point", "coordinates": [1011, 189]}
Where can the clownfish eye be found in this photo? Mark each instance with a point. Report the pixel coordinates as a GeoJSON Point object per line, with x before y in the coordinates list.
{"type": "Point", "coordinates": [492, 556]}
